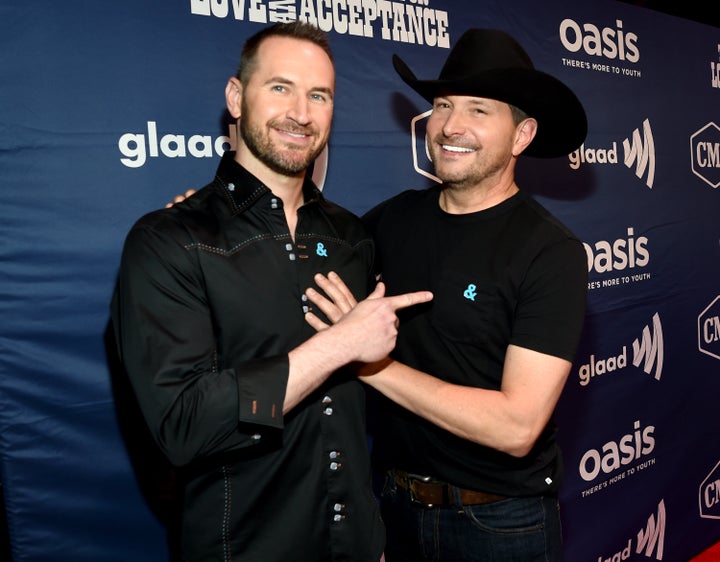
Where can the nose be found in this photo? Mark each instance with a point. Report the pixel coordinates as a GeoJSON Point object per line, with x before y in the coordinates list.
{"type": "Point", "coordinates": [452, 123]}
{"type": "Point", "coordinates": [299, 110]}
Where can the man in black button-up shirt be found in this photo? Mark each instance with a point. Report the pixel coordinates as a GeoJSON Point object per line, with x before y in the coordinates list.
{"type": "Point", "coordinates": [209, 317]}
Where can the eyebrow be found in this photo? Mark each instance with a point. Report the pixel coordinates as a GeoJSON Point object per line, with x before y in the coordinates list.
{"type": "Point", "coordinates": [283, 80]}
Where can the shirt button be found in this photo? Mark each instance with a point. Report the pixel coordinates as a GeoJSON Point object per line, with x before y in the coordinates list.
{"type": "Point", "coordinates": [327, 400]}
{"type": "Point", "coordinates": [335, 465]}
{"type": "Point", "coordinates": [337, 517]}
{"type": "Point", "coordinates": [334, 454]}
{"type": "Point", "coordinates": [256, 437]}
{"type": "Point", "coordinates": [338, 507]}
{"type": "Point", "coordinates": [231, 187]}
{"type": "Point", "coordinates": [328, 411]}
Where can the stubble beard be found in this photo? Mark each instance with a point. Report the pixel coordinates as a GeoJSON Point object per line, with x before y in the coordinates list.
{"type": "Point", "coordinates": [289, 162]}
{"type": "Point", "coordinates": [466, 178]}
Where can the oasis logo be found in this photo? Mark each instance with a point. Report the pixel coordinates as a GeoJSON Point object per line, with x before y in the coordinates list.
{"type": "Point", "coordinates": [617, 255]}
{"type": "Point", "coordinates": [709, 495]}
{"type": "Point", "coordinates": [705, 154]}
{"type": "Point", "coordinates": [608, 42]}
{"type": "Point", "coordinates": [651, 539]}
{"type": "Point", "coordinates": [638, 151]}
{"type": "Point", "coordinates": [709, 329]}
{"type": "Point", "coordinates": [136, 148]}
{"type": "Point", "coordinates": [615, 455]}
{"type": "Point", "coordinates": [647, 350]}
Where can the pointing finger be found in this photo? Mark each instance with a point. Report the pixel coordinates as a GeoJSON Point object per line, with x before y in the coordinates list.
{"type": "Point", "coordinates": [406, 300]}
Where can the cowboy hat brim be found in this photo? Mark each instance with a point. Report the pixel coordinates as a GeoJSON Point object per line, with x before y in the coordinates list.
{"type": "Point", "coordinates": [562, 123]}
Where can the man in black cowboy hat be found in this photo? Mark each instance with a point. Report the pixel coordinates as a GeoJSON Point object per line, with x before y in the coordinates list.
{"type": "Point", "coordinates": [464, 419]}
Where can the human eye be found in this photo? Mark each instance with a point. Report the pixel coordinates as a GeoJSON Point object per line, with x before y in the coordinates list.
{"type": "Point", "coordinates": [320, 97]}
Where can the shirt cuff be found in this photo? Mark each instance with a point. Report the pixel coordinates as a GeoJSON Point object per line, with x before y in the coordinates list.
{"type": "Point", "coordinates": [261, 391]}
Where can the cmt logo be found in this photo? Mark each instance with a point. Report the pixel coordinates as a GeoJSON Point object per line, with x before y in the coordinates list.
{"type": "Point", "coordinates": [638, 152]}
{"type": "Point", "coordinates": [650, 540]}
{"type": "Point", "coordinates": [421, 155]}
{"type": "Point", "coordinates": [705, 154]}
{"type": "Point", "coordinates": [709, 495]}
{"type": "Point", "coordinates": [648, 352]}
{"type": "Point", "coordinates": [709, 329]}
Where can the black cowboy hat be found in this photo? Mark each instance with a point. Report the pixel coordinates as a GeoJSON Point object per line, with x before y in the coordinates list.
{"type": "Point", "coordinates": [491, 64]}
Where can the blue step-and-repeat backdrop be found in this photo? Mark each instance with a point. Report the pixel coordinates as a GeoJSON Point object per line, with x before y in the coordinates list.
{"type": "Point", "coordinates": [109, 109]}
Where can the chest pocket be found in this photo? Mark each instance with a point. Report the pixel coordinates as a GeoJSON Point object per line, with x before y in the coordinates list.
{"type": "Point", "coordinates": [468, 310]}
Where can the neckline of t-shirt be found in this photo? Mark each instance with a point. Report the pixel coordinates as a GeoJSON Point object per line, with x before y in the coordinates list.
{"type": "Point", "coordinates": [484, 214]}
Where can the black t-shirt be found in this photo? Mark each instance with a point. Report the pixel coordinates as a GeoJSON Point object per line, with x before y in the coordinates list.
{"type": "Point", "coordinates": [511, 274]}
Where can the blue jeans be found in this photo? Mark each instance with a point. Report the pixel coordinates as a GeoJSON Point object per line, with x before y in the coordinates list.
{"type": "Point", "coordinates": [514, 529]}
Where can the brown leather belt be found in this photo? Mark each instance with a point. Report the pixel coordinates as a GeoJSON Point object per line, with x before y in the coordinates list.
{"type": "Point", "coordinates": [428, 492]}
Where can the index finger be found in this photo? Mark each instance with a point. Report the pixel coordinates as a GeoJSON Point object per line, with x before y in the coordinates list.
{"type": "Point", "coordinates": [405, 300]}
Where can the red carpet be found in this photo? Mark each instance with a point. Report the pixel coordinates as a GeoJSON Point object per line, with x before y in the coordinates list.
{"type": "Point", "coordinates": [712, 554]}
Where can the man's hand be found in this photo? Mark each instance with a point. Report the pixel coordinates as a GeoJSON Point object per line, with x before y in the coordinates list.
{"type": "Point", "coordinates": [179, 198]}
{"type": "Point", "coordinates": [339, 300]}
{"type": "Point", "coordinates": [369, 326]}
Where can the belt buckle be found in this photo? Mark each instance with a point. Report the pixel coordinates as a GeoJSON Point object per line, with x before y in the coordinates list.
{"type": "Point", "coordinates": [411, 490]}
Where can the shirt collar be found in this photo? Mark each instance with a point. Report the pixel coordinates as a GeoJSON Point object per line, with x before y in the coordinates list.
{"type": "Point", "coordinates": [243, 189]}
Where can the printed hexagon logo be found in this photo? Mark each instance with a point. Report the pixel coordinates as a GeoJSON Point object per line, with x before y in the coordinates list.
{"type": "Point", "coordinates": [705, 154]}
{"type": "Point", "coordinates": [709, 495]}
{"type": "Point", "coordinates": [709, 329]}
{"type": "Point", "coordinates": [421, 156]}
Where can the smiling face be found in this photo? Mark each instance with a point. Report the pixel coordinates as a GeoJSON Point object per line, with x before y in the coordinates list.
{"type": "Point", "coordinates": [285, 107]}
{"type": "Point", "coordinates": [475, 140]}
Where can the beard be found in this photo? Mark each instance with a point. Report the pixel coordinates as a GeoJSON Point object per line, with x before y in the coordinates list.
{"type": "Point", "coordinates": [466, 177]}
{"type": "Point", "coordinates": [289, 162]}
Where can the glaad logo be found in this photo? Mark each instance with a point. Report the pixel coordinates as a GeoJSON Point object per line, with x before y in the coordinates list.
{"type": "Point", "coordinates": [709, 329]}
{"type": "Point", "coordinates": [137, 147]}
{"type": "Point", "coordinates": [651, 539]}
{"type": "Point", "coordinates": [705, 154]}
{"type": "Point", "coordinates": [648, 350]}
{"type": "Point", "coordinates": [709, 495]}
{"type": "Point", "coordinates": [638, 151]}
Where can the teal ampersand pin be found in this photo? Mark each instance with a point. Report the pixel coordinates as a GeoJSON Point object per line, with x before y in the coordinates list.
{"type": "Point", "coordinates": [321, 251]}
{"type": "Point", "coordinates": [470, 292]}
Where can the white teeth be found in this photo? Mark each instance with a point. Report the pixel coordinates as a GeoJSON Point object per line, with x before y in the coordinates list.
{"type": "Point", "coordinates": [298, 135]}
{"type": "Point", "coordinates": [456, 148]}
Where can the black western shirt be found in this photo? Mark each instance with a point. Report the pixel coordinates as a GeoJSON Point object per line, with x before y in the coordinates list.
{"type": "Point", "coordinates": [208, 304]}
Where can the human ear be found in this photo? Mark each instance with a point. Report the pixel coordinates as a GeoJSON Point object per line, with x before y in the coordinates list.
{"type": "Point", "coordinates": [233, 97]}
{"type": "Point", "coordinates": [525, 133]}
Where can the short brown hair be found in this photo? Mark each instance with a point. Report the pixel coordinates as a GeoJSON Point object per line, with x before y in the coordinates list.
{"type": "Point", "coordinates": [295, 30]}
